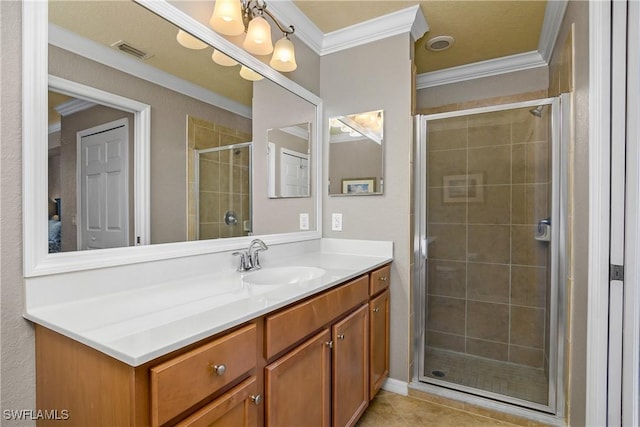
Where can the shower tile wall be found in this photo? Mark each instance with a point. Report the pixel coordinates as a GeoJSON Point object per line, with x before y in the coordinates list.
{"type": "Point", "coordinates": [488, 187]}
{"type": "Point", "coordinates": [224, 180]}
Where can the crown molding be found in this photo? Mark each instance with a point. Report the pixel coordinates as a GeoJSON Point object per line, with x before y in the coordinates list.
{"type": "Point", "coordinates": [289, 14]}
{"type": "Point", "coordinates": [409, 20]}
{"type": "Point", "coordinates": [553, 15]}
{"type": "Point", "coordinates": [73, 106]}
{"type": "Point", "coordinates": [491, 67]}
{"type": "Point", "coordinates": [67, 40]}
{"type": "Point", "coordinates": [53, 128]}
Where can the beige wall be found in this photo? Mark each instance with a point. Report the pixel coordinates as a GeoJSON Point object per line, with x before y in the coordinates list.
{"type": "Point", "coordinates": [168, 134]}
{"type": "Point", "coordinates": [275, 107]}
{"type": "Point", "coordinates": [562, 71]}
{"type": "Point", "coordinates": [358, 80]}
{"type": "Point", "coordinates": [342, 165]}
{"type": "Point", "coordinates": [17, 354]}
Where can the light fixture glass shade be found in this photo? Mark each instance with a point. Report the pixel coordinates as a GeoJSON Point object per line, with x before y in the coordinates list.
{"type": "Point", "coordinates": [222, 59]}
{"type": "Point", "coordinates": [227, 17]}
{"type": "Point", "coordinates": [187, 40]}
{"type": "Point", "coordinates": [248, 74]}
{"type": "Point", "coordinates": [284, 56]}
{"type": "Point", "coordinates": [258, 40]}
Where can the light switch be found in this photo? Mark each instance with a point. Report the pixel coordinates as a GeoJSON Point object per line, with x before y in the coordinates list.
{"type": "Point", "coordinates": [336, 221]}
{"type": "Point", "coordinates": [304, 221]}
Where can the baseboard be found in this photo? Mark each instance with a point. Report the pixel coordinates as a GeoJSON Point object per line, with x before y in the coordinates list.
{"type": "Point", "coordinates": [396, 386]}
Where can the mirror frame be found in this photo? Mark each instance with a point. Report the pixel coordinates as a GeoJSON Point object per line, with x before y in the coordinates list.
{"type": "Point", "coordinates": [35, 85]}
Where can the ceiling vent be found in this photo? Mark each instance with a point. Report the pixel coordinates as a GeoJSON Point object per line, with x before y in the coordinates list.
{"type": "Point", "coordinates": [125, 47]}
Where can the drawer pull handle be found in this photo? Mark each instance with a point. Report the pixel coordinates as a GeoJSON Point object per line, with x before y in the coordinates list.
{"type": "Point", "coordinates": [256, 399]}
{"type": "Point", "coordinates": [382, 278]}
{"type": "Point", "coordinates": [218, 369]}
{"type": "Point", "coordinates": [377, 309]}
{"type": "Point", "coordinates": [340, 336]}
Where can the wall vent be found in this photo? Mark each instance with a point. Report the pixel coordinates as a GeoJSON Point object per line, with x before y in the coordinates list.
{"type": "Point", "coordinates": [127, 48]}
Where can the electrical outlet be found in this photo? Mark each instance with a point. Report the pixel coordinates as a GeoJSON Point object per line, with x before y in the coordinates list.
{"type": "Point", "coordinates": [336, 221]}
{"type": "Point", "coordinates": [304, 221]}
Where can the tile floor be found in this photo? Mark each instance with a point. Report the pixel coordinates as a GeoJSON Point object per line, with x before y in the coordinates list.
{"type": "Point", "coordinates": [517, 381]}
{"type": "Point", "coordinates": [393, 410]}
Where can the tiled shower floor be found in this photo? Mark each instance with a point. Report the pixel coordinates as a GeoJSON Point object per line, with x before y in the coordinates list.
{"type": "Point", "coordinates": [517, 381]}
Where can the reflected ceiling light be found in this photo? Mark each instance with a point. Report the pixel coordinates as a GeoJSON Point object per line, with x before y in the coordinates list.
{"type": "Point", "coordinates": [222, 59]}
{"type": "Point", "coordinates": [190, 42]}
{"type": "Point", "coordinates": [258, 39]}
{"type": "Point", "coordinates": [248, 74]}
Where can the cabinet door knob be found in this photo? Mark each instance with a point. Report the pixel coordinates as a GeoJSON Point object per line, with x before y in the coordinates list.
{"type": "Point", "coordinates": [382, 278]}
{"type": "Point", "coordinates": [329, 344]}
{"type": "Point", "coordinates": [340, 336]}
{"type": "Point", "coordinates": [218, 369]}
{"type": "Point", "coordinates": [377, 309]}
{"type": "Point", "coordinates": [256, 399]}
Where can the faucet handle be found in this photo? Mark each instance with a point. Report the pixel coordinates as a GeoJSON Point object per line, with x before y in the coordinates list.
{"type": "Point", "coordinates": [245, 261]}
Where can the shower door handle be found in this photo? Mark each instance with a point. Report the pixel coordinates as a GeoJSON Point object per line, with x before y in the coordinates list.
{"type": "Point", "coordinates": [424, 248]}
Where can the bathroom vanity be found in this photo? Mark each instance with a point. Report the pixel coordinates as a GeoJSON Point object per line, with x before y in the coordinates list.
{"type": "Point", "coordinates": [314, 351]}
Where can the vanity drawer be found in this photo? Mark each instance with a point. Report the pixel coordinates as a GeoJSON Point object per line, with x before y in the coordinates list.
{"type": "Point", "coordinates": [180, 383]}
{"type": "Point", "coordinates": [379, 279]}
{"type": "Point", "coordinates": [289, 326]}
{"type": "Point", "coordinates": [238, 407]}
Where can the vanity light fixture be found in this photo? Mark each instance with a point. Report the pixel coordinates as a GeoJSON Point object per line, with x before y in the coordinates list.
{"type": "Point", "coordinates": [231, 17]}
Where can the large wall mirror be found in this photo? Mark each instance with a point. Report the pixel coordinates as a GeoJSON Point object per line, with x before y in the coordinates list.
{"type": "Point", "coordinates": [150, 140]}
{"type": "Point", "coordinates": [356, 136]}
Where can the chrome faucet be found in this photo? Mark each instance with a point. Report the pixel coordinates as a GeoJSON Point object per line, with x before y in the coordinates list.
{"type": "Point", "coordinates": [249, 259]}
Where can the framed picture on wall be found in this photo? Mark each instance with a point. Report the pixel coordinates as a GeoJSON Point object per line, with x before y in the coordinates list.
{"type": "Point", "coordinates": [463, 188]}
{"type": "Point", "coordinates": [358, 185]}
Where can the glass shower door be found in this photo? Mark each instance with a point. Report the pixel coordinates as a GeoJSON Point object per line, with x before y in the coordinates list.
{"type": "Point", "coordinates": [489, 291]}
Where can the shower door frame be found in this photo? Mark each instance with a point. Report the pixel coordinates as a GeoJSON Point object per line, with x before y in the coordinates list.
{"type": "Point", "coordinates": [196, 166]}
{"type": "Point", "coordinates": [560, 136]}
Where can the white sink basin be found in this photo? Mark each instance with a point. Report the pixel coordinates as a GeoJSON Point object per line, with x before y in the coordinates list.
{"type": "Point", "coordinates": [283, 275]}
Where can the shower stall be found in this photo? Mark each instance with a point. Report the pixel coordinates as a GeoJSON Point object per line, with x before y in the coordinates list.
{"type": "Point", "coordinates": [489, 253]}
{"type": "Point", "coordinates": [223, 188]}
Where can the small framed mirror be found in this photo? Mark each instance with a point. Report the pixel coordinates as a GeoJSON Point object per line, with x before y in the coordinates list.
{"type": "Point", "coordinates": [356, 154]}
{"type": "Point", "coordinates": [288, 155]}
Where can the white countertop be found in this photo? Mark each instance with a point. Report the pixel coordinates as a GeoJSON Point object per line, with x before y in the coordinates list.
{"type": "Point", "coordinates": [142, 323]}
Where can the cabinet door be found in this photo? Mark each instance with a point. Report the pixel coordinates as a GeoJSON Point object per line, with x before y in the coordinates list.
{"type": "Point", "coordinates": [379, 334]}
{"type": "Point", "coordinates": [236, 408]}
{"type": "Point", "coordinates": [351, 367]}
{"type": "Point", "coordinates": [298, 385]}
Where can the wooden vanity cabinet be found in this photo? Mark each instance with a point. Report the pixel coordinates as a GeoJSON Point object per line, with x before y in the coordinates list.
{"type": "Point", "coordinates": [379, 342]}
{"type": "Point", "coordinates": [379, 321]}
{"type": "Point", "coordinates": [317, 362]}
{"type": "Point", "coordinates": [298, 385]}
{"type": "Point", "coordinates": [323, 381]}
{"type": "Point", "coordinates": [350, 383]}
